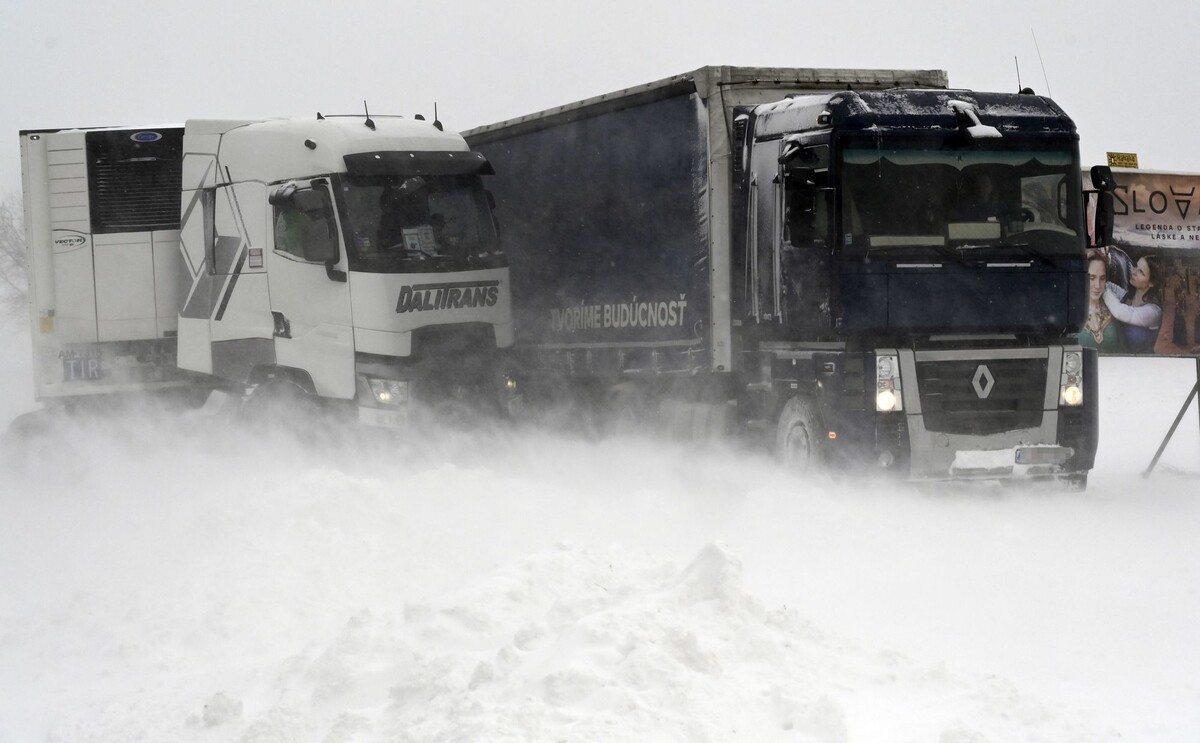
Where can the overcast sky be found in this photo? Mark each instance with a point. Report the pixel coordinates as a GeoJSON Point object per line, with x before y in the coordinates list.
{"type": "Point", "coordinates": [1126, 72]}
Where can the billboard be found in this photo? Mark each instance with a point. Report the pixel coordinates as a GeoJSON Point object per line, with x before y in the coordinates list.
{"type": "Point", "coordinates": [1144, 296]}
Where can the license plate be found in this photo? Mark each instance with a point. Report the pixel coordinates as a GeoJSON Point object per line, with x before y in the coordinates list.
{"type": "Point", "coordinates": [382, 418]}
{"type": "Point", "coordinates": [1043, 455]}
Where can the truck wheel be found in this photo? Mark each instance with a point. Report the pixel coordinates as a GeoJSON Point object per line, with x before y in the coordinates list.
{"type": "Point", "coordinates": [798, 436]}
{"type": "Point", "coordinates": [34, 424]}
{"type": "Point", "coordinates": [713, 422]}
{"type": "Point", "coordinates": [278, 402]}
{"type": "Point", "coordinates": [624, 408]}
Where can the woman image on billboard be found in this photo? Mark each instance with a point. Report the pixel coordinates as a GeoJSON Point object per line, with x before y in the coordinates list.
{"type": "Point", "coordinates": [1100, 332]}
{"type": "Point", "coordinates": [1140, 308]}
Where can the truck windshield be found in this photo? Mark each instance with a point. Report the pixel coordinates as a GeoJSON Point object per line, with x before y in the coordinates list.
{"type": "Point", "coordinates": [417, 224]}
{"type": "Point", "coordinates": [901, 200]}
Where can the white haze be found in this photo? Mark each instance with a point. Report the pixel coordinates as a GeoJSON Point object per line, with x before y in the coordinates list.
{"type": "Point", "coordinates": [169, 583]}
{"type": "Point", "coordinates": [163, 581]}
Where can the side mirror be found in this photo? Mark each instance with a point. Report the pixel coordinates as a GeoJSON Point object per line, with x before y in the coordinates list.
{"type": "Point", "coordinates": [334, 274]}
{"type": "Point", "coordinates": [1102, 179]}
{"type": "Point", "coordinates": [282, 195]}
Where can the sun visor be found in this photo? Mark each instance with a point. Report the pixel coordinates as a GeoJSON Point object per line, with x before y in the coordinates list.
{"type": "Point", "coordinates": [418, 163]}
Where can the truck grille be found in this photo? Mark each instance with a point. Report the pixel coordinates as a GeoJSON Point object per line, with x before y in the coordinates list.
{"type": "Point", "coordinates": [951, 402]}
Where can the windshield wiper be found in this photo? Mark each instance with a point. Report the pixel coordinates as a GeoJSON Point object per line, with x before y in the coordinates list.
{"type": "Point", "coordinates": [946, 254]}
{"type": "Point", "coordinates": [1027, 250]}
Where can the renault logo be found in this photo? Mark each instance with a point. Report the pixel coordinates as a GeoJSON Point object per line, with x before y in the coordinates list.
{"type": "Point", "coordinates": [983, 382]}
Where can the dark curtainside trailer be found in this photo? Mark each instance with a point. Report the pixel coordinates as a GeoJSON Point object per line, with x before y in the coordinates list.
{"type": "Point", "coordinates": [813, 256]}
{"type": "Point", "coordinates": [608, 212]}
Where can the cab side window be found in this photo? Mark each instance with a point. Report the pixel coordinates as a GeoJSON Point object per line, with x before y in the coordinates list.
{"type": "Point", "coordinates": [304, 225]}
{"type": "Point", "coordinates": [806, 211]}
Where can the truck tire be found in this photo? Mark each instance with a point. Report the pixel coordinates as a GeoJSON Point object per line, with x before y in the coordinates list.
{"type": "Point", "coordinates": [278, 402]}
{"type": "Point", "coordinates": [624, 410]}
{"type": "Point", "coordinates": [34, 424]}
{"type": "Point", "coordinates": [712, 422]}
{"type": "Point", "coordinates": [798, 440]}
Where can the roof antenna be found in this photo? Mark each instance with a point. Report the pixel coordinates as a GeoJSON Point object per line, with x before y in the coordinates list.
{"type": "Point", "coordinates": [1043, 64]}
{"type": "Point", "coordinates": [370, 124]}
{"type": "Point", "coordinates": [436, 124]}
{"type": "Point", "coordinates": [1021, 90]}
{"type": "Point", "coordinates": [320, 117]}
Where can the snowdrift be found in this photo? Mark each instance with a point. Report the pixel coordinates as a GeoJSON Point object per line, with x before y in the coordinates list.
{"type": "Point", "coordinates": [167, 581]}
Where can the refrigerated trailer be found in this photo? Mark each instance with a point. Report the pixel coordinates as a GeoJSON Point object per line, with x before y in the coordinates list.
{"type": "Point", "coordinates": [860, 268]}
{"type": "Point", "coordinates": [350, 261]}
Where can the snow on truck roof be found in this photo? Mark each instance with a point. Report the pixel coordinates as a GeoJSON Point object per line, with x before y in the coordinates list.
{"type": "Point", "coordinates": [912, 108]}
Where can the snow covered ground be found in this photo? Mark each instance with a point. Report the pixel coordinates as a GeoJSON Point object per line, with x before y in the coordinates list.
{"type": "Point", "coordinates": [164, 584]}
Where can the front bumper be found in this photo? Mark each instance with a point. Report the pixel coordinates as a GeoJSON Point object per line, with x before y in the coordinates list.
{"type": "Point", "coordinates": [1011, 424]}
{"type": "Point", "coordinates": [1015, 462]}
{"type": "Point", "coordinates": [433, 394]}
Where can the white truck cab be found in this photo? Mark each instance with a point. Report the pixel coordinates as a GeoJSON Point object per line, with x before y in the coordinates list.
{"type": "Point", "coordinates": [342, 258]}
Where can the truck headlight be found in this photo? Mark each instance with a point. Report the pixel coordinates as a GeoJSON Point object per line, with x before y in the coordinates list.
{"type": "Point", "coordinates": [1071, 384]}
{"type": "Point", "coordinates": [389, 391]}
{"type": "Point", "coordinates": [888, 396]}
{"type": "Point", "coordinates": [1072, 395]}
{"type": "Point", "coordinates": [885, 401]}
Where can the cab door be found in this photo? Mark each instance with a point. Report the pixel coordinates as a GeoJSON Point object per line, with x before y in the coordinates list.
{"type": "Point", "coordinates": [804, 261]}
{"type": "Point", "coordinates": [310, 297]}
{"type": "Point", "coordinates": [764, 230]}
